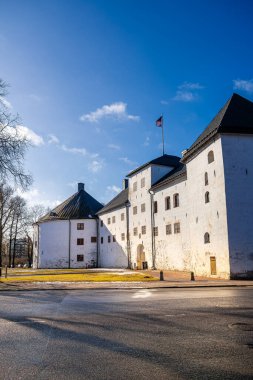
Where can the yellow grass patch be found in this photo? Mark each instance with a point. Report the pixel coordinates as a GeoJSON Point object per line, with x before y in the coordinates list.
{"type": "Point", "coordinates": [79, 277]}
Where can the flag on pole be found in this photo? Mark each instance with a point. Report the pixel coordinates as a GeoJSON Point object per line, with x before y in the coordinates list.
{"type": "Point", "coordinates": [159, 122]}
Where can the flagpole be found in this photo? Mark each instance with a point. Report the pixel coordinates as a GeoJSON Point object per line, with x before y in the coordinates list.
{"type": "Point", "coordinates": [162, 135]}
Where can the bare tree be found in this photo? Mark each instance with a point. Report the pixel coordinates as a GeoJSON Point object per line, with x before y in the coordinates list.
{"type": "Point", "coordinates": [12, 145]}
{"type": "Point", "coordinates": [6, 210]}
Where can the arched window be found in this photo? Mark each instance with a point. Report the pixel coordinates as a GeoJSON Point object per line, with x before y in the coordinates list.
{"type": "Point", "coordinates": [167, 203]}
{"type": "Point", "coordinates": [176, 200]}
{"type": "Point", "coordinates": [210, 157]}
{"type": "Point", "coordinates": [206, 179]}
{"type": "Point", "coordinates": [206, 238]}
{"type": "Point", "coordinates": [207, 197]}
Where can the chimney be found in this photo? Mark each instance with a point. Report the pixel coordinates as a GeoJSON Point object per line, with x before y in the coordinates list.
{"type": "Point", "coordinates": [125, 184]}
{"type": "Point", "coordinates": [80, 186]}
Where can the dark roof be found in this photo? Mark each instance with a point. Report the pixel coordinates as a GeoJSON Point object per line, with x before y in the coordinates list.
{"type": "Point", "coordinates": [165, 160]}
{"type": "Point", "coordinates": [179, 171]}
{"type": "Point", "coordinates": [120, 200]}
{"type": "Point", "coordinates": [81, 205]}
{"type": "Point", "coordinates": [235, 117]}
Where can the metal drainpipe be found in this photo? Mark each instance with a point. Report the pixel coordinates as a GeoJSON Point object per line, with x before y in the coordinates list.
{"type": "Point", "coordinates": [69, 240]}
{"type": "Point", "coordinates": [127, 204]}
{"type": "Point", "coordinates": [152, 227]}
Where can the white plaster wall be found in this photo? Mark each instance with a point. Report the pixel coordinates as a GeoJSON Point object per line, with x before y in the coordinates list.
{"type": "Point", "coordinates": [113, 254]}
{"type": "Point", "coordinates": [207, 217]}
{"type": "Point", "coordinates": [172, 251]}
{"type": "Point", "coordinates": [35, 245]}
{"type": "Point", "coordinates": [53, 244]}
{"type": "Point", "coordinates": [136, 198]}
{"type": "Point", "coordinates": [89, 249]}
{"type": "Point", "coordinates": [238, 167]}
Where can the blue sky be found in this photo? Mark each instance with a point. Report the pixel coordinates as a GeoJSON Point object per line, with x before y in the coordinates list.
{"type": "Point", "coordinates": [89, 78]}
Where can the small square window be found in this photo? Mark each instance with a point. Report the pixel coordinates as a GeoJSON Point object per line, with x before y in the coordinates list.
{"type": "Point", "coordinates": [79, 258]}
{"type": "Point", "coordinates": [101, 223]}
{"type": "Point", "coordinates": [143, 207]}
{"type": "Point", "coordinates": [80, 241]}
{"type": "Point", "coordinates": [109, 239]}
{"type": "Point", "coordinates": [143, 230]}
{"type": "Point", "coordinates": [80, 226]}
{"type": "Point", "coordinates": [113, 219]}
{"type": "Point", "coordinates": [122, 216]}
{"type": "Point", "coordinates": [102, 240]}
{"type": "Point", "coordinates": [155, 231]}
{"type": "Point", "coordinates": [176, 228]}
{"type": "Point", "coordinates": [155, 207]}
{"type": "Point", "coordinates": [109, 220]}
{"type": "Point", "coordinates": [114, 238]}
{"type": "Point", "coordinates": [135, 210]}
{"type": "Point", "coordinates": [93, 239]}
{"type": "Point", "coordinates": [135, 186]}
{"type": "Point", "coordinates": [135, 231]}
{"type": "Point", "coordinates": [168, 229]}
{"type": "Point", "coordinates": [143, 182]}
{"type": "Point", "coordinates": [122, 236]}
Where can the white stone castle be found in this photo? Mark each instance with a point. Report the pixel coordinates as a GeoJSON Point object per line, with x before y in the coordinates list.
{"type": "Point", "coordinates": [189, 214]}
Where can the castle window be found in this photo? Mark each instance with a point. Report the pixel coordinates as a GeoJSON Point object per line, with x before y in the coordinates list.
{"type": "Point", "coordinates": [176, 200]}
{"type": "Point", "coordinates": [134, 210]}
{"type": "Point", "coordinates": [206, 179]}
{"type": "Point", "coordinates": [80, 241]}
{"type": "Point", "coordinates": [80, 226]}
{"type": "Point", "coordinates": [109, 220]}
{"type": "Point", "coordinates": [109, 239]}
{"type": "Point", "coordinates": [122, 236]}
{"type": "Point", "coordinates": [101, 223]}
{"type": "Point", "coordinates": [176, 228]}
{"type": "Point", "coordinates": [114, 238]}
{"type": "Point", "coordinates": [79, 257]}
{"type": "Point", "coordinates": [143, 230]}
{"type": "Point", "coordinates": [135, 231]}
{"type": "Point", "coordinates": [168, 229]}
{"type": "Point", "coordinates": [143, 207]}
{"type": "Point", "coordinates": [155, 231]}
{"type": "Point", "coordinates": [102, 240]}
{"type": "Point", "coordinates": [135, 186]}
{"type": "Point", "coordinates": [167, 203]}
{"type": "Point", "coordinates": [206, 238]}
{"type": "Point", "coordinates": [93, 239]}
{"type": "Point", "coordinates": [113, 219]}
{"type": "Point", "coordinates": [210, 157]}
{"type": "Point", "coordinates": [207, 197]}
{"type": "Point", "coordinates": [155, 207]}
{"type": "Point", "coordinates": [143, 182]}
{"type": "Point", "coordinates": [122, 216]}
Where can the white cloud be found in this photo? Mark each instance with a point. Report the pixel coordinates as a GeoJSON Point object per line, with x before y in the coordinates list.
{"type": "Point", "coordinates": [115, 110]}
{"type": "Point", "coordinates": [53, 139]}
{"type": "Point", "coordinates": [96, 165]}
{"type": "Point", "coordinates": [127, 161]}
{"type": "Point", "coordinates": [81, 151]}
{"type": "Point", "coordinates": [190, 86]}
{"type": "Point", "coordinates": [184, 96]}
{"type": "Point", "coordinates": [113, 146]}
{"type": "Point", "coordinates": [34, 197]}
{"type": "Point", "coordinates": [5, 102]}
{"type": "Point", "coordinates": [164, 102]}
{"type": "Point", "coordinates": [245, 85]}
{"type": "Point", "coordinates": [114, 189]}
{"type": "Point", "coordinates": [147, 141]}
{"type": "Point", "coordinates": [24, 132]}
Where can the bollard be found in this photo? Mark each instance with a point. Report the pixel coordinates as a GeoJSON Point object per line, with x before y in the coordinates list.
{"type": "Point", "coordinates": [192, 276]}
{"type": "Point", "coordinates": [161, 276]}
{"type": "Point", "coordinates": [6, 271]}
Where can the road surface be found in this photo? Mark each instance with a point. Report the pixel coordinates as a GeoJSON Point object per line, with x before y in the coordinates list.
{"type": "Point", "coordinates": [204, 333]}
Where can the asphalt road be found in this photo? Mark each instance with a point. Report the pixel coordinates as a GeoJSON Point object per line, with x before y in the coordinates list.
{"type": "Point", "coordinates": [204, 333]}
